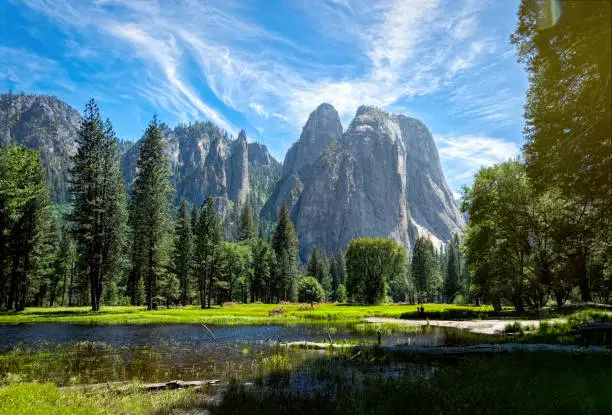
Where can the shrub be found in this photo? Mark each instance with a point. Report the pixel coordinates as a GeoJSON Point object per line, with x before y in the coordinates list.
{"type": "Point", "coordinates": [279, 311]}
{"type": "Point", "coordinates": [341, 296]}
{"type": "Point", "coordinates": [309, 290]}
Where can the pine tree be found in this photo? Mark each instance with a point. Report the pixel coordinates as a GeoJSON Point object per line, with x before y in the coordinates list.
{"type": "Point", "coordinates": [183, 252]}
{"type": "Point", "coordinates": [285, 244]}
{"type": "Point", "coordinates": [195, 217]}
{"type": "Point", "coordinates": [318, 267]}
{"type": "Point", "coordinates": [423, 269]}
{"type": "Point", "coordinates": [150, 211]}
{"type": "Point", "coordinates": [62, 267]}
{"type": "Point", "coordinates": [26, 226]}
{"type": "Point", "coordinates": [209, 236]}
{"type": "Point", "coordinates": [452, 269]}
{"type": "Point", "coordinates": [99, 203]}
{"type": "Point", "coordinates": [247, 229]}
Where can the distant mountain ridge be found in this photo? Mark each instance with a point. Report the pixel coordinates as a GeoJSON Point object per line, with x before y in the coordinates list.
{"type": "Point", "coordinates": [43, 122]}
{"type": "Point", "coordinates": [204, 159]}
{"type": "Point", "coordinates": [380, 178]}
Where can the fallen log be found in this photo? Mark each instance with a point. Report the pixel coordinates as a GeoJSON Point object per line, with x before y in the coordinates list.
{"type": "Point", "coordinates": [456, 350]}
{"type": "Point", "coordinates": [604, 326]}
{"type": "Point", "coordinates": [130, 386]}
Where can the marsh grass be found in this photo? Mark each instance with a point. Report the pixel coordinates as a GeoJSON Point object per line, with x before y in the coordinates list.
{"type": "Point", "coordinates": [526, 383]}
{"type": "Point", "coordinates": [239, 314]}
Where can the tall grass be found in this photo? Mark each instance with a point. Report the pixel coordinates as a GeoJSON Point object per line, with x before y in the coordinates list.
{"type": "Point", "coordinates": [254, 314]}
{"type": "Point", "coordinates": [530, 383]}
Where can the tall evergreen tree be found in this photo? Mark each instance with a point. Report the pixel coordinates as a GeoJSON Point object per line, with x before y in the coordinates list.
{"type": "Point", "coordinates": [285, 244]}
{"type": "Point", "coordinates": [183, 252]}
{"type": "Point", "coordinates": [209, 236]}
{"type": "Point", "coordinates": [247, 229]}
{"type": "Point", "coordinates": [423, 269]}
{"type": "Point", "coordinates": [25, 220]}
{"type": "Point", "coordinates": [263, 266]}
{"type": "Point", "coordinates": [150, 213]}
{"type": "Point", "coordinates": [318, 267]}
{"type": "Point", "coordinates": [452, 269]}
{"type": "Point", "coordinates": [99, 203]}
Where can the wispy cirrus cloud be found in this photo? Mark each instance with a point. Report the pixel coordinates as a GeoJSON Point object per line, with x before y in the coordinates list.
{"type": "Point", "coordinates": [221, 58]}
{"type": "Point", "coordinates": [463, 155]}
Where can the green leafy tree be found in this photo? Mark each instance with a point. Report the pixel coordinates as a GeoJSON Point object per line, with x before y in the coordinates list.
{"type": "Point", "coordinates": [236, 259]}
{"type": "Point", "coordinates": [285, 244]}
{"type": "Point", "coordinates": [371, 263]}
{"type": "Point", "coordinates": [310, 290]}
{"type": "Point", "coordinates": [183, 253]}
{"type": "Point", "coordinates": [341, 295]}
{"type": "Point", "coordinates": [208, 238]}
{"type": "Point", "coordinates": [99, 203]}
{"type": "Point", "coordinates": [568, 131]}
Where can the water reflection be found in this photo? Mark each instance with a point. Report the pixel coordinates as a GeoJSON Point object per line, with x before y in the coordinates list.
{"type": "Point", "coordinates": [69, 354]}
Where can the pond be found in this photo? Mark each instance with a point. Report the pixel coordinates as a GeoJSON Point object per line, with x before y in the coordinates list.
{"type": "Point", "coordinates": [74, 354]}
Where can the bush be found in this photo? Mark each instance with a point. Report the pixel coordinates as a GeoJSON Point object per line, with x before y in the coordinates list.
{"type": "Point", "coordinates": [310, 291]}
{"type": "Point", "coordinates": [341, 296]}
{"type": "Point", "coordinates": [279, 311]}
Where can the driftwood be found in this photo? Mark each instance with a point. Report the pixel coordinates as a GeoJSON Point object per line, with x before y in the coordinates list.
{"type": "Point", "coordinates": [459, 350]}
{"type": "Point", "coordinates": [129, 386]}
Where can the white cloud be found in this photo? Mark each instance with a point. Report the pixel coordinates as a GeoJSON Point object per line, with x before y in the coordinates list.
{"type": "Point", "coordinates": [463, 155]}
{"type": "Point", "coordinates": [394, 50]}
{"type": "Point", "coordinates": [259, 109]}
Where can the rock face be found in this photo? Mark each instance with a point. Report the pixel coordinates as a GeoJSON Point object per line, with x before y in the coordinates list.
{"type": "Point", "coordinates": [44, 123]}
{"type": "Point", "coordinates": [203, 158]}
{"type": "Point", "coordinates": [205, 161]}
{"type": "Point", "coordinates": [381, 178]}
{"type": "Point", "coordinates": [322, 129]}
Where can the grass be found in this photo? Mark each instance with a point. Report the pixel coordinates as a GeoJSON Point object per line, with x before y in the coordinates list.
{"type": "Point", "coordinates": [565, 332]}
{"type": "Point", "coordinates": [47, 399]}
{"type": "Point", "coordinates": [527, 383]}
{"type": "Point", "coordinates": [241, 314]}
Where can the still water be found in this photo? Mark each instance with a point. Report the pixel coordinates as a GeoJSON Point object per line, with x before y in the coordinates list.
{"type": "Point", "coordinates": [69, 354]}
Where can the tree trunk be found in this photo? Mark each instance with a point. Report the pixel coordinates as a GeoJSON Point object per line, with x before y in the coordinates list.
{"type": "Point", "coordinates": [585, 289]}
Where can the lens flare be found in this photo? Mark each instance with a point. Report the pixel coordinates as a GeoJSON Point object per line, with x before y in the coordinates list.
{"type": "Point", "coordinates": [551, 13]}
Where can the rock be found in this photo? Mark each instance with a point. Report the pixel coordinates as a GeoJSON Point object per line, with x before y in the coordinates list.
{"type": "Point", "coordinates": [205, 161]}
{"type": "Point", "coordinates": [322, 129]}
{"type": "Point", "coordinates": [238, 170]}
{"type": "Point", "coordinates": [49, 125]}
{"type": "Point", "coordinates": [382, 178]}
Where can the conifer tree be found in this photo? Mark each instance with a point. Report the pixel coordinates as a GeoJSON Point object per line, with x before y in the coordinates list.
{"type": "Point", "coordinates": [150, 212]}
{"type": "Point", "coordinates": [452, 269]}
{"type": "Point", "coordinates": [208, 238]}
{"type": "Point", "coordinates": [25, 219]}
{"type": "Point", "coordinates": [247, 229]}
{"type": "Point", "coordinates": [423, 269]}
{"type": "Point", "coordinates": [285, 244]}
{"type": "Point", "coordinates": [99, 203]}
{"type": "Point", "coordinates": [318, 267]}
{"type": "Point", "coordinates": [183, 252]}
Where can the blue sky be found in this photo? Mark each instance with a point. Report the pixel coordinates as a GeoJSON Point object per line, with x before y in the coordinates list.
{"type": "Point", "coordinates": [264, 65]}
